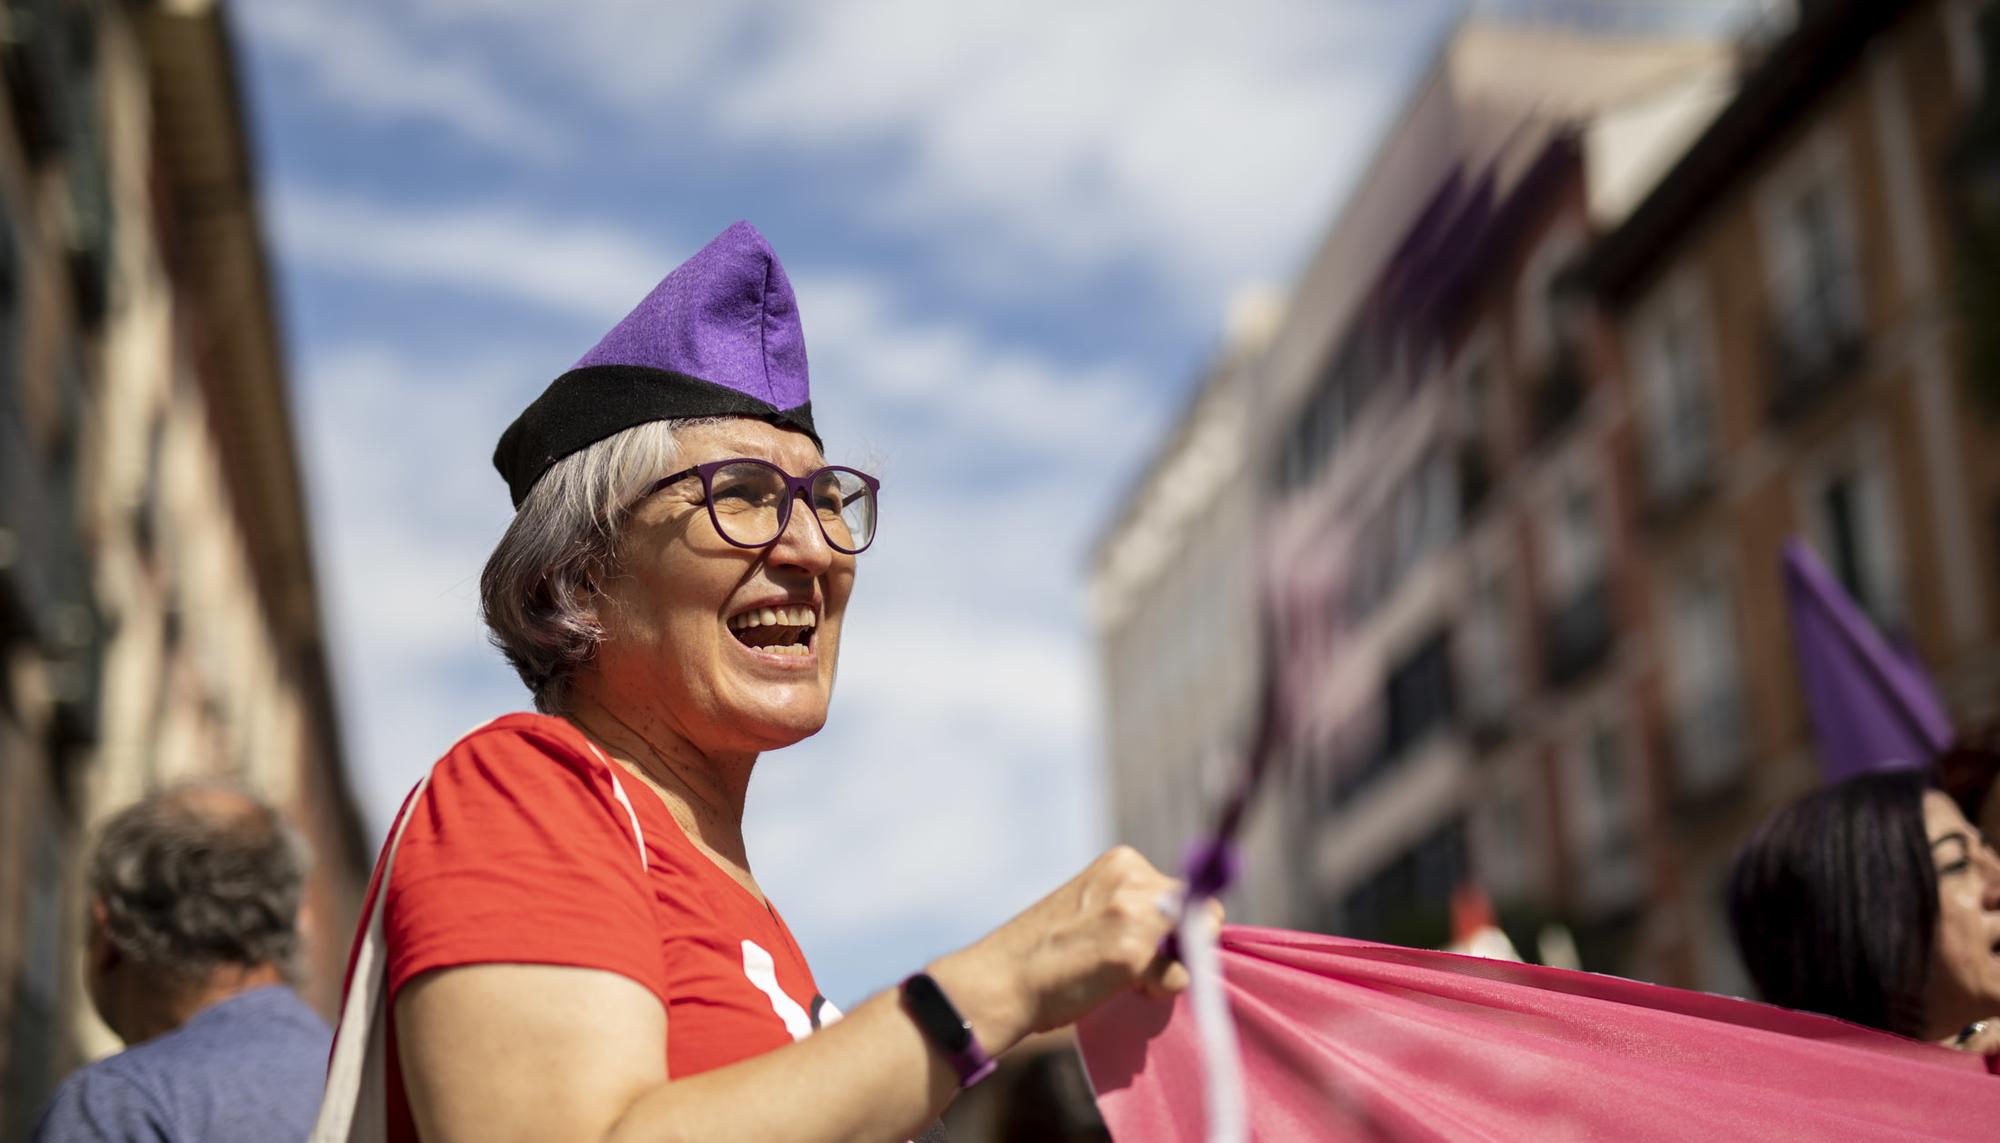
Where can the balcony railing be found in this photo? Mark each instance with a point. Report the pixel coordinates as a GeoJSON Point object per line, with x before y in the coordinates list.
{"type": "Point", "coordinates": [1578, 634]}
{"type": "Point", "coordinates": [1813, 345]}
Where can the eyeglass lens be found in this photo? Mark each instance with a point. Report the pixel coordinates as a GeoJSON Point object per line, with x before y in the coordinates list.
{"type": "Point", "coordinates": [748, 499]}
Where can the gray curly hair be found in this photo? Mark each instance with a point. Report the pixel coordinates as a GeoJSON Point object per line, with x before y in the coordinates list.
{"type": "Point", "coordinates": [535, 591]}
{"type": "Point", "coordinates": [200, 876]}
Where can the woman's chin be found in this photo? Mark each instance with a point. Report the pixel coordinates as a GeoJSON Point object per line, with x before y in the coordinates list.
{"type": "Point", "coordinates": [776, 726]}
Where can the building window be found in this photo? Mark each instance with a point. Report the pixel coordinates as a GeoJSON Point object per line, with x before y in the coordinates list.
{"type": "Point", "coordinates": [1418, 695]}
{"type": "Point", "coordinates": [1475, 401]}
{"type": "Point", "coordinates": [1504, 864]}
{"type": "Point", "coordinates": [1856, 533]}
{"type": "Point", "coordinates": [1342, 387]}
{"type": "Point", "coordinates": [1605, 840]}
{"type": "Point", "coordinates": [1487, 640]}
{"type": "Point", "coordinates": [1550, 333]}
{"type": "Point", "coordinates": [1477, 452]}
{"type": "Point", "coordinates": [1408, 900]}
{"type": "Point", "coordinates": [1675, 376]}
{"type": "Point", "coordinates": [1816, 320]}
{"type": "Point", "coordinates": [1421, 515]}
{"type": "Point", "coordinates": [1575, 539]}
{"type": "Point", "coordinates": [1578, 624]}
{"type": "Point", "coordinates": [1709, 709]}
{"type": "Point", "coordinates": [1548, 318]}
{"type": "Point", "coordinates": [1607, 768]}
{"type": "Point", "coordinates": [1816, 278]}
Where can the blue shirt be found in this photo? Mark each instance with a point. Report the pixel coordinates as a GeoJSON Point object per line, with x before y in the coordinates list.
{"type": "Point", "coordinates": [249, 1069]}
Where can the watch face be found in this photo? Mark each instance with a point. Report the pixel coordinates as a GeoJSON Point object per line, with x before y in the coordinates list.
{"type": "Point", "coordinates": [934, 1011]}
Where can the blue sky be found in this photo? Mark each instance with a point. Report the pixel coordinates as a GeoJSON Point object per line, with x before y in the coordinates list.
{"type": "Point", "coordinates": [1013, 228]}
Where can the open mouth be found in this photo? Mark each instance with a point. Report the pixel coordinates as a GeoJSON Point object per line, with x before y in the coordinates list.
{"type": "Point", "coordinates": [775, 630]}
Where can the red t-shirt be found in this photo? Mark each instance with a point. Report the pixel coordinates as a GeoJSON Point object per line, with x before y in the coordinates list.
{"type": "Point", "coordinates": [521, 851]}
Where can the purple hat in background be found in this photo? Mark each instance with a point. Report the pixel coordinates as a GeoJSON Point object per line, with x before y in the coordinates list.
{"type": "Point", "coordinates": [1872, 707]}
{"type": "Point", "coordinates": [718, 337]}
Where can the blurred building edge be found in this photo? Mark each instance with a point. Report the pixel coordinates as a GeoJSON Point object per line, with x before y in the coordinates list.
{"type": "Point", "coordinates": [158, 618]}
{"type": "Point", "coordinates": [1603, 322]}
{"type": "Point", "coordinates": [1039, 1094]}
{"type": "Point", "coordinates": [1175, 612]}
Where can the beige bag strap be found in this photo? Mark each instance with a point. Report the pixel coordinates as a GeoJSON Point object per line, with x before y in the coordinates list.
{"type": "Point", "coordinates": [355, 1108]}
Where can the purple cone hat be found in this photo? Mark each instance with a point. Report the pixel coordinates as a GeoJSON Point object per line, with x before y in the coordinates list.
{"type": "Point", "coordinates": [718, 337]}
{"type": "Point", "coordinates": [1872, 707]}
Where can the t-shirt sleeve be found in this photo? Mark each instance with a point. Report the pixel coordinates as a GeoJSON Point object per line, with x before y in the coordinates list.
{"type": "Point", "coordinates": [519, 852]}
{"type": "Point", "coordinates": [96, 1105]}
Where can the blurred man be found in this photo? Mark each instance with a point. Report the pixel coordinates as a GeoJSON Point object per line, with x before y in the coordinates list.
{"type": "Point", "coordinates": [193, 934]}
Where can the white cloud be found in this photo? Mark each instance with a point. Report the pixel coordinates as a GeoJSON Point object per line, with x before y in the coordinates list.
{"type": "Point", "coordinates": [569, 267]}
{"type": "Point", "coordinates": [950, 734]}
{"type": "Point", "coordinates": [356, 62]}
{"type": "Point", "coordinates": [1193, 142]}
{"type": "Point", "coordinates": [1198, 139]}
{"type": "Point", "coordinates": [959, 381]}
{"type": "Point", "coordinates": [407, 507]}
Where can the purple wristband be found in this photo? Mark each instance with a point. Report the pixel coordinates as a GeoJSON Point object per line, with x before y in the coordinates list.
{"type": "Point", "coordinates": [944, 1027]}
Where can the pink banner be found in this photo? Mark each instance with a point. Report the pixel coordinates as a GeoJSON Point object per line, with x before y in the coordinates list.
{"type": "Point", "coordinates": [1347, 1040]}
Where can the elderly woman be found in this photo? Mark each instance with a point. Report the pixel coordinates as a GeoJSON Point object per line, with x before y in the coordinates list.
{"type": "Point", "coordinates": [1875, 901]}
{"type": "Point", "coordinates": [576, 946]}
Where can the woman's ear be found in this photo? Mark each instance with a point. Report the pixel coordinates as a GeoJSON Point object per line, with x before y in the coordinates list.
{"type": "Point", "coordinates": [587, 577]}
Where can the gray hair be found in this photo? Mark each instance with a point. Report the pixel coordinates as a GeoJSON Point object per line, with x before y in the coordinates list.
{"type": "Point", "coordinates": [197, 877]}
{"type": "Point", "coordinates": [535, 592]}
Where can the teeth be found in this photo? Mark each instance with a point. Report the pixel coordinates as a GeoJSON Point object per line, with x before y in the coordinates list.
{"type": "Point", "coordinates": [773, 617]}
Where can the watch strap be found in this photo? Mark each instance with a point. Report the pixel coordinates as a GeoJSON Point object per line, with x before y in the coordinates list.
{"type": "Point", "coordinates": [942, 1024]}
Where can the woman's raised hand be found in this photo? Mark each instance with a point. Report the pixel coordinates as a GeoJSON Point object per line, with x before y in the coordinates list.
{"type": "Point", "coordinates": [1096, 936]}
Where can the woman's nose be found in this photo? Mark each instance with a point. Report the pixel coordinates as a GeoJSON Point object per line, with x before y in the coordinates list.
{"type": "Point", "coordinates": [801, 543]}
{"type": "Point", "coordinates": [1988, 863]}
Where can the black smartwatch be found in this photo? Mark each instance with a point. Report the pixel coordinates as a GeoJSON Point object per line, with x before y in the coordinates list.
{"type": "Point", "coordinates": [944, 1027]}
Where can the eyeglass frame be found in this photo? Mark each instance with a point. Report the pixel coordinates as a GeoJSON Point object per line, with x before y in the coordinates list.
{"type": "Point", "coordinates": [796, 487]}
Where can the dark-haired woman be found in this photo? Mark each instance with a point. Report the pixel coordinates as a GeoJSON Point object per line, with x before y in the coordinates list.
{"type": "Point", "coordinates": [1875, 901]}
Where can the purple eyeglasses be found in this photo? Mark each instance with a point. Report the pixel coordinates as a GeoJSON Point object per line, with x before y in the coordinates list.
{"type": "Point", "coordinates": [750, 501]}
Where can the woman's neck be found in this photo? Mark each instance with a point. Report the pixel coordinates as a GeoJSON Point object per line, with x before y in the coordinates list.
{"type": "Point", "coordinates": [705, 794]}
